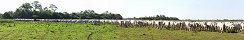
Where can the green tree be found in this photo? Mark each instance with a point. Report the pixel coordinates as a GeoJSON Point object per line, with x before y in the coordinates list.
{"type": "Point", "coordinates": [26, 6]}
{"type": "Point", "coordinates": [89, 14]}
{"type": "Point", "coordinates": [37, 6]}
{"type": "Point", "coordinates": [53, 7]}
{"type": "Point", "coordinates": [57, 15]}
{"type": "Point", "coordinates": [75, 15]}
{"type": "Point", "coordinates": [66, 15]}
{"type": "Point", "coordinates": [118, 16]}
{"type": "Point", "coordinates": [7, 15]}
{"type": "Point", "coordinates": [24, 11]}
{"type": "Point", "coordinates": [106, 15]}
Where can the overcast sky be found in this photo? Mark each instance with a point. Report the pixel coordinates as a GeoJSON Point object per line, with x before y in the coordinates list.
{"type": "Point", "coordinates": [183, 9]}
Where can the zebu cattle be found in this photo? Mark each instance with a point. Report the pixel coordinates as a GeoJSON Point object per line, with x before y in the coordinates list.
{"type": "Point", "coordinates": [126, 23]}
{"type": "Point", "coordinates": [182, 25]}
{"type": "Point", "coordinates": [84, 21]}
{"type": "Point", "coordinates": [242, 25]}
{"type": "Point", "coordinates": [167, 24]}
{"type": "Point", "coordinates": [140, 23]}
{"type": "Point", "coordinates": [24, 19]}
{"type": "Point", "coordinates": [211, 26]}
{"type": "Point", "coordinates": [199, 26]}
{"type": "Point", "coordinates": [176, 25]}
{"type": "Point", "coordinates": [147, 23]}
{"type": "Point", "coordinates": [196, 26]}
{"type": "Point", "coordinates": [172, 25]}
{"type": "Point", "coordinates": [151, 23]}
{"type": "Point", "coordinates": [133, 22]}
{"type": "Point", "coordinates": [113, 21]}
{"type": "Point", "coordinates": [192, 26]}
{"type": "Point", "coordinates": [156, 24]}
{"type": "Point", "coordinates": [188, 24]}
{"type": "Point", "coordinates": [119, 21]}
{"type": "Point", "coordinates": [96, 22]}
{"type": "Point", "coordinates": [229, 25]}
{"type": "Point", "coordinates": [233, 26]}
{"type": "Point", "coordinates": [221, 26]}
{"type": "Point", "coordinates": [203, 26]}
{"type": "Point", "coordinates": [161, 24]}
{"type": "Point", "coordinates": [237, 26]}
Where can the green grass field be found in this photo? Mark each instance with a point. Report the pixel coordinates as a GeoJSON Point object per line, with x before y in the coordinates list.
{"type": "Point", "coordinates": [78, 31]}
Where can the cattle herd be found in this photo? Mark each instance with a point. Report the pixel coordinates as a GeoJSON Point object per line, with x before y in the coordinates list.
{"type": "Point", "coordinates": [214, 26]}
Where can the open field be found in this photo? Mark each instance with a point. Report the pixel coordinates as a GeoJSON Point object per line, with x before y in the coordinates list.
{"type": "Point", "coordinates": [78, 31]}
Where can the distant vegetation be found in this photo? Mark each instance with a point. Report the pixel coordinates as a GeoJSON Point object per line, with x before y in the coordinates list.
{"type": "Point", "coordinates": [158, 17]}
{"type": "Point", "coordinates": [36, 11]}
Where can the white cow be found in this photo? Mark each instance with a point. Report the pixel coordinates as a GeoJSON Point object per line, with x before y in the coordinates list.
{"type": "Point", "coordinates": [188, 25]}
{"type": "Point", "coordinates": [221, 26]}
{"type": "Point", "coordinates": [242, 25]}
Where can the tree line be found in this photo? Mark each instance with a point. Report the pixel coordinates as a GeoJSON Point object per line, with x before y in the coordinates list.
{"type": "Point", "coordinates": [157, 17]}
{"type": "Point", "coordinates": [35, 10]}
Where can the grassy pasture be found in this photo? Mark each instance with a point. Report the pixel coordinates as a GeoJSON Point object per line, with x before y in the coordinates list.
{"type": "Point", "coordinates": [79, 31]}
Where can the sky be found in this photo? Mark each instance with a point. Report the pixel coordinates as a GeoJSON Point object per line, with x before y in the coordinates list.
{"type": "Point", "coordinates": [182, 9]}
